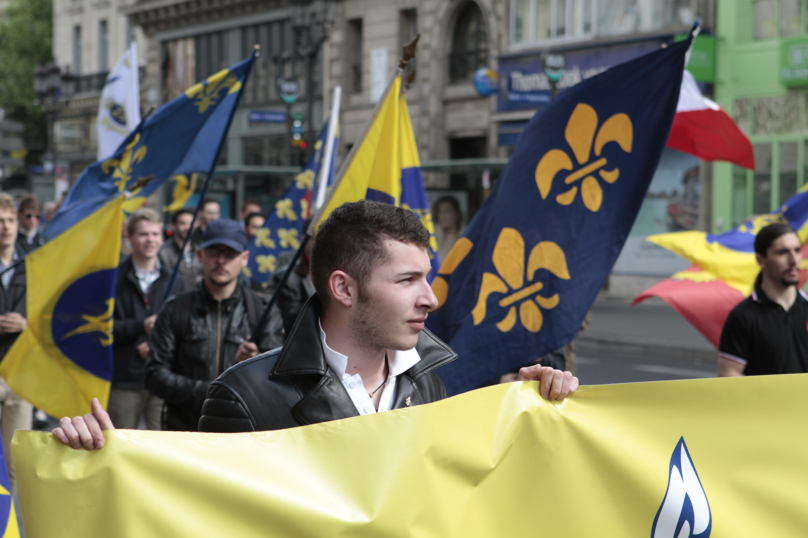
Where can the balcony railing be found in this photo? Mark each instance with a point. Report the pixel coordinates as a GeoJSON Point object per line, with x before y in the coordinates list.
{"type": "Point", "coordinates": [92, 83]}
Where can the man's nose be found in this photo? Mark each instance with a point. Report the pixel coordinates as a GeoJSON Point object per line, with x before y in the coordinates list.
{"type": "Point", "coordinates": [428, 299]}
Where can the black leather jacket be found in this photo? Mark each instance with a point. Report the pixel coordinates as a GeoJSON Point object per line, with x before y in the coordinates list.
{"type": "Point", "coordinates": [294, 386]}
{"type": "Point", "coordinates": [13, 299]}
{"type": "Point", "coordinates": [181, 366]}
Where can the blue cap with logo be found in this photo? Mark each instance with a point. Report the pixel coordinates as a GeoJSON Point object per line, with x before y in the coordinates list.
{"type": "Point", "coordinates": [225, 232]}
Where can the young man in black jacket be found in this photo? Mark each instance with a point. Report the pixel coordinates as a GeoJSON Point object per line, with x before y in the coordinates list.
{"type": "Point", "coordinates": [139, 294]}
{"type": "Point", "coordinates": [358, 347]}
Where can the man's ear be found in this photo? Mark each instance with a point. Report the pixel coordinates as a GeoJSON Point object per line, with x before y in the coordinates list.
{"type": "Point", "coordinates": [760, 260]}
{"type": "Point", "coordinates": [245, 257]}
{"type": "Point", "coordinates": [342, 288]}
{"type": "Point", "coordinates": [199, 254]}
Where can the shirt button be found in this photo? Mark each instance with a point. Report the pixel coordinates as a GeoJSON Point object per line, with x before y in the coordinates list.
{"type": "Point", "coordinates": [351, 385]}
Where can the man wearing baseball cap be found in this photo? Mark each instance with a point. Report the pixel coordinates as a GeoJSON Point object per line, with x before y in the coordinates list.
{"type": "Point", "coordinates": [200, 334]}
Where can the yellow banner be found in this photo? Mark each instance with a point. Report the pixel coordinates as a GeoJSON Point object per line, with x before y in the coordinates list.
{"type": "Point", "coordinates": [712, 457]}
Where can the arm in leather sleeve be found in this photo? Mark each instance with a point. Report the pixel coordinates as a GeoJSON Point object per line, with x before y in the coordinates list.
{"type": "Point", "coordinates": [160, 377]}
{"type": "Point", "coordinates": [272, 336]}
{"type": "Point", "coordinates": [224, 412]}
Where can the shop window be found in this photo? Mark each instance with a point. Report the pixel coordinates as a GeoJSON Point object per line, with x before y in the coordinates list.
{"type": "Point", "coordinates": [263, 150]}
{"type": "Point", "coordinates": [790, 17]}
{"type": "Point", "coordinates": [765, 19]}
{"type": "Point", "coordinates": [469, 44]}
{"type": "Point", "coordinates": [103, 46]}
{"type": "Point", "coordinates": [762, 183]}
{"type": "Point", "coordinates": [788, 170]}
{"type": "Point", "coordinates": [739, 209]}
{"type": "Point", "coordinates": [77, 50]}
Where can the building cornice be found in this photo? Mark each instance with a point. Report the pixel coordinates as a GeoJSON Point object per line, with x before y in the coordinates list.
{"type": "Point", "coordinates": [160, 15]}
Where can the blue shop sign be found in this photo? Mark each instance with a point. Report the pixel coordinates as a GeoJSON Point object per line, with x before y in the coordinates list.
{"type": "Point", "coordinates": [267, 116]}
{"type": "Point", "coordinates": [524, 85]}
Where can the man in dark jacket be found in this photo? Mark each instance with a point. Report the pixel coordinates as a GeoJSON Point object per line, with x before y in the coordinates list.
{"type": "Point", "coordinates": [201, 333]}
{"type": "Point", "coordinates": [358, 347]}
{"type": "Point", "coordinates": [139, 294]}
{"type": "Point", "coordinates": [29, 236]}
{"type": "Point", "coordinates": [15, 413]}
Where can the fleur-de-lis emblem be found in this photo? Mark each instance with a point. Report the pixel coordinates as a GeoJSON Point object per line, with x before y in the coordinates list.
{"type": "Point", "coordinates": [247, 271]}
{"type": "Point", "coordinates": [262, 238]}
{"type": "Point", "coordinates": [206, 94]}
{"type": "Point", "coordinates": [266, 264]}
{"type": "Point", "coordinates": [580, 133]}
{"type": "Point", "coordinates": [101, 324]}
{"type": "Point", "coordinates": [183, 188]}
{"type": "Point", "coordinates": [122, 168]}
{"type": "Point", "coordinates": [288, 238]}
{"type": "Point", "coordinates": [458, 253]}
{"type": "Point", "coordinates": [509, 260]}
{"type": "Point", "coordinates": [305, 179]}
{"type": "Point", "coordinates": [284, 209]}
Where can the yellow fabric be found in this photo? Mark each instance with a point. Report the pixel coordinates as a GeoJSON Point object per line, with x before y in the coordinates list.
{"type": "Point", "coordinates": [36, 367]}
{"type": "Point", "coordinates": [738, 269]}
{"type": "Point", "coordinates": [376, 163]}
{"type": "Point", "coordinates": [494, 462]}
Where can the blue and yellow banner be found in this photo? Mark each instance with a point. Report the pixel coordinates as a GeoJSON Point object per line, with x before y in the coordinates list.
{"type": "Point", "coordinates": [179, 142]}
{"type": "Point", "coordinates": [521, 279]}
{"type": "Point", "coordinates": [64, 358]}
{"type": "Point", "coordinates": [730, 256]}
{"type": "Point", "coordinates": [384, 165]}
{"type": "Point", "coordinates": [8, 516]}
{"type": "Point", "coordinates": [696, 458]}
{"type": "Point", "coordinates": [283, 227]}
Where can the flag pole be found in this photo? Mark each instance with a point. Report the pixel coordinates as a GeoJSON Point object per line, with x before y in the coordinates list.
{"type": "Point", "coordinates": [325, 171]}
{"type": "Point", "coordinates": [407, 54]}
{"type": "Point", "coordinates": [256, 53]}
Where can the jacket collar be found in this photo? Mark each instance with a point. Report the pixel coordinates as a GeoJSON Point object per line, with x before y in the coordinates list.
{"type": "Point", "coordinates": [303, 352]}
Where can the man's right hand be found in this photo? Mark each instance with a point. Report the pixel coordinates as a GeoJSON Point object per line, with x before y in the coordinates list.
{"type": "Point", "coordinates": [148, 324]}
{"type": "Point", "coordinates": [86, 431]}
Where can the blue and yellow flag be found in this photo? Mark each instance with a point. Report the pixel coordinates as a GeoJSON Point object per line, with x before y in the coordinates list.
{"type": "Point", "coordinates": [730, 256]}
{"type": "Point", "coordinates": [384, 165]}
{"type": "Point", "coordinates": [8, 516]}
{"type": "Point", "coordinates": [519, 282]}
{"type": "Point", "coordinates": [64, 358]}
{"type": "Point", "coordinates": [283, 227]}
{"type": "Point", "coordinates": [178, 142]}
{"type": "Point", "coordinates": [674, 459]}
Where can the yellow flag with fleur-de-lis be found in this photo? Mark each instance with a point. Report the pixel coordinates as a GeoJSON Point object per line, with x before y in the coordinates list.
{"type": "Point", "coordinates": [520, 281]}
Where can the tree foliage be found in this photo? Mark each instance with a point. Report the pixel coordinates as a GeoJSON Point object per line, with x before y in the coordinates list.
{"type": "Point", "coordinates": [26, 41]}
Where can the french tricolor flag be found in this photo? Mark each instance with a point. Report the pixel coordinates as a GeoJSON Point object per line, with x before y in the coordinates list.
{"type": "Point", "coordinates": [703, 129]}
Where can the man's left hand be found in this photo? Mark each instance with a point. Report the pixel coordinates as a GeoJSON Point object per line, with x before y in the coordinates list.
{"type": "Point", "coordinates": [246, 350]}
{"type": "Point", "coordinates": [553, 384]}
{"type": "Point", "coordinates": [12, 322]}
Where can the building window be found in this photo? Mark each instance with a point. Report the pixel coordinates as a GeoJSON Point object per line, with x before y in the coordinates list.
{"type": "Point", "coordinates": [469, 44]}
{"type": "Point", "coordinates": [353, 55]}
{"type": "Point", "coordinates": [103, 46]}
{"type": "Point", "coordinates": [778, 18]}
{"type": "Point", "coordinates": [77, 50]}
{"type": "Point", "coordinates": [762, 182]}
{"type": "Point", "coordinates": [545, 20]}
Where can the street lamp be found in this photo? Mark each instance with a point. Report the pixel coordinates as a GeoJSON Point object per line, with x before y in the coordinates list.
{"type": "Point", "coordinates": [312, 24]}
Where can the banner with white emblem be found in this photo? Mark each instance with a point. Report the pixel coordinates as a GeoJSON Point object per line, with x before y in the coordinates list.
{"type": "Point", "coordinates": [119, 108]}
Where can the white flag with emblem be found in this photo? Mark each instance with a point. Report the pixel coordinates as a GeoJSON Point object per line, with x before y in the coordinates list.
{"type": "Point", "coordinates": [119, 108]}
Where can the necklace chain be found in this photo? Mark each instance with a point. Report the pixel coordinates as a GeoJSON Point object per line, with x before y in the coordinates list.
{"type": "Point", "coordinates": [371, 394]}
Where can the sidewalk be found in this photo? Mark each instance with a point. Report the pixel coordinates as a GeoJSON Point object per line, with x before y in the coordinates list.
{"type": "Point", "coordinates": [648, 328]}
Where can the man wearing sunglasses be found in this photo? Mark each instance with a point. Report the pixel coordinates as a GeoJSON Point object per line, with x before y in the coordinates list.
{"type": "Point", "coordinates": [200, 334]}
{"type": "Point", "coordinates": [29, 237]}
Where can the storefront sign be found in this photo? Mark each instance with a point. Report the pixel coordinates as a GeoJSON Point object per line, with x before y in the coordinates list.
{"type": "Point", "coordinates": [289, 90]}
{"type": "Point", "coordinates": [794, 62]}
{"type": "Point", "coordinates": [702, 57]}
{"type": "Point", "coordinates": [524, 85]}
{"type": "Point", "coordinates": [267, 116]}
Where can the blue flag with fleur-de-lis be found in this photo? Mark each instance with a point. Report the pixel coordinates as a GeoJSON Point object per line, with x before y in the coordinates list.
{"type": "Point", "coordinates": [520, 281]}
{"type": "Point", "coordinates": [178, 142]}
{"type": "Point", "coordinates": [283, 227]}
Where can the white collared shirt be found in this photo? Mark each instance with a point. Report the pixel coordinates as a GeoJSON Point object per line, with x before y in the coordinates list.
{"type": "Point", "coordinates": [398, 362]}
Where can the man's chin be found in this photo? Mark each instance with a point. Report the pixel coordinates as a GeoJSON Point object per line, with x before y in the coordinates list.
{"type": "Point", "coordinates": [788, 281]}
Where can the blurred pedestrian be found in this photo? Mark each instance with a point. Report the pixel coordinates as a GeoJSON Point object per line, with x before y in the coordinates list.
{"type": "Point", "coordinates": [252, 223]}
{"type": "Point", "coordinates": [200, 334]}
{"type": "Point", "coordinates": [209, 212]}
{"type": "Point", "coordinates": [448, 218]}
{"type": "Point", "coordinates": [29, 214]}
{"type": "Point", "coordinates": [248, 207]}
{"type": "Point", "coordinates": [767, 333]}
{"type": "Point", "coordinates": [190, 270]}
{"type": "Point", "coordinates": [139, 292]}
{"type": "Point", "coordinates": [49, 211]}
{"type": "Point", "coordinates": [15, 413]}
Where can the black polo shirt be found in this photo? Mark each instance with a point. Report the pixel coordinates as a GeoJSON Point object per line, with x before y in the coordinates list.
{"type": "Point", "coordinates": [766, 339]}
